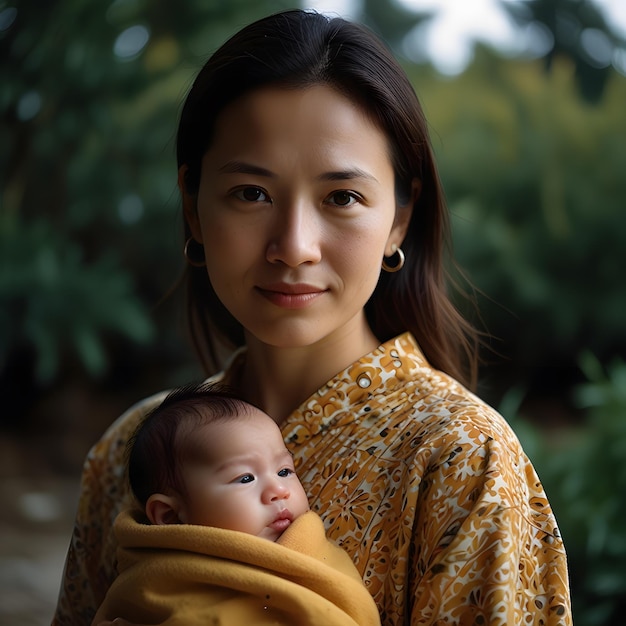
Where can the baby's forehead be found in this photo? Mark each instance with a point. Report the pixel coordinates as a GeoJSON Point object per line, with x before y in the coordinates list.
{"type": "Point", "coordinates": [223, 435]}
{"type": "Point", "coordinates": [244, 420]}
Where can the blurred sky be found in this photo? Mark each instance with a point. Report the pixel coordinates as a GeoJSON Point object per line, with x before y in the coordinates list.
{"type": "Point", "coordinates": [447, 40]}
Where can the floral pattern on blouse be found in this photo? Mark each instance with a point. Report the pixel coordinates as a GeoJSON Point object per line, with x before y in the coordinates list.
{"type": "Point", "coordinates": [422, 483]}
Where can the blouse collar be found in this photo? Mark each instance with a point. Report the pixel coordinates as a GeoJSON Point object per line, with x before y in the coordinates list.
{"type": "Point", "coordinates": [380, 371]}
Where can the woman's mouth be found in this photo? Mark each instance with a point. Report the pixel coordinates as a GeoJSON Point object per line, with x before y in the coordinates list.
{"type": "Point", "coordinates": [288, 296]}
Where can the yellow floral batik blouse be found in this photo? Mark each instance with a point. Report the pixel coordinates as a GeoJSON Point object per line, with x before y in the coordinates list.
{"type": "Point", "coordinates": [424, 485]}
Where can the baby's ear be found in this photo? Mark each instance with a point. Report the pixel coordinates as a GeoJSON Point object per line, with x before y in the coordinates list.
{"type": "Point", "coordinates": [162, 509]}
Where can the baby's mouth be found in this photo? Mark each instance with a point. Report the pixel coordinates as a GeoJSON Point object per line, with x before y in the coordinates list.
{"type": "Point", "coordinates": [282, 521]}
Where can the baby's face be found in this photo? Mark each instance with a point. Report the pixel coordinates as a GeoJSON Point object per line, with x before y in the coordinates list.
{"type": "Point", "coordinates": [241, 476]}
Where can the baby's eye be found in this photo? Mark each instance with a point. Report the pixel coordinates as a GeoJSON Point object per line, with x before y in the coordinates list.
{"type": "Point", "coordinates": [251, 194]}
{"type": "Point", "coordinates": [343, 198]}
{"type": "Point", "coordinates": [285, 472]}
{"type": "Point", "coordinates": [246, 478]}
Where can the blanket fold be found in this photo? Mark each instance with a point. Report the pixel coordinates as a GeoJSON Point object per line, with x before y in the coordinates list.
{"type": "Point", "coordinates": [184, 574]}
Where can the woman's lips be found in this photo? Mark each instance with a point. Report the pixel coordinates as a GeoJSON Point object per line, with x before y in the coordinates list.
{"type": "Point", "coordinates": [291, 296]}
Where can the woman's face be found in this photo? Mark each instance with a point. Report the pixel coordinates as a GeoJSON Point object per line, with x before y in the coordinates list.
{"type": "Point", "coordinates": [295, 209]}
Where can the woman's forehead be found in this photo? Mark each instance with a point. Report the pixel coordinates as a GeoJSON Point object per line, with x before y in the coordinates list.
{"type": "Point", "coordinates": [315, 122]}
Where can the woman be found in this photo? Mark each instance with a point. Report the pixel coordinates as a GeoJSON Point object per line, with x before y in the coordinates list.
{"type": "Point", "coordinates": [305, 167]}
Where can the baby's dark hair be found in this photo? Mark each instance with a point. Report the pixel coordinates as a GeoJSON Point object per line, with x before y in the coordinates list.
{"type": "Point", "coordinates": [155, 451]}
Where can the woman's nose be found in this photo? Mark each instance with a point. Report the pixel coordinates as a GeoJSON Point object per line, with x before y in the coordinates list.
{"type": "Point", "coordinates": [295, 236]}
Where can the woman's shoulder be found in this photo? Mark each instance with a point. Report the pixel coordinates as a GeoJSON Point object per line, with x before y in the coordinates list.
{"type": "Point", "coordinates": [422, 408]}
{"type": "Point", "coordinates": [395, 394]}
{"type": "Point", "coordinates": [118, 433]}
{"type": "Point", "coordinates": [451, 412]}
{"type": "Point", "coordinates": [130, 418]}
{"type": "Point", "coordinates": [111, 446]}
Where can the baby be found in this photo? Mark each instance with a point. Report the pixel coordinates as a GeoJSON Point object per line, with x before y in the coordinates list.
{"type": "Point", "coordinates": [207, 457]}
{"type": "Point", "coordinates": [215, 482]}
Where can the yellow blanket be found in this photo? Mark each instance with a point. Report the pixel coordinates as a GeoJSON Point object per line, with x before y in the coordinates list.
{"type": "Point", "coordinates": [191, 575]}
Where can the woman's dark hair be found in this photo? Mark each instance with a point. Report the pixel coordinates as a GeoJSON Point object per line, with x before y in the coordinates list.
{"type": "Point", "coordinates": [297, 49]}
{"type": "Point", "coordinates": [157, 448]}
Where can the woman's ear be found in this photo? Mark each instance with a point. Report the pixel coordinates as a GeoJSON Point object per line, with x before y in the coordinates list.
{"type": "Point", "coordinates": [190, 204]}
{"type": "Point", "coordinates": [162, 509]}
{"type": "Point", "coordinates": [404, 212]}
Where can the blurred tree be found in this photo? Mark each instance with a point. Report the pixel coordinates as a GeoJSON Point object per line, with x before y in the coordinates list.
{"type": "Point", "coordinates": [534, 179]}
{"type": "Point", "coordinates": [579, 33]}
{"type": "Point", "coordinates": [88, 107]}
{"type": "Point", "coordinates": [584, 476]}
{"type": "Point", "coordinates": [391, 20]}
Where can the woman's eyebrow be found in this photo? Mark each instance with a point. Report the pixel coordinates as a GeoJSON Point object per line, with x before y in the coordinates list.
{"type": "Point", "coordinates": [241, 167]}
{"type": "Point", "coordinates": [347, 174]}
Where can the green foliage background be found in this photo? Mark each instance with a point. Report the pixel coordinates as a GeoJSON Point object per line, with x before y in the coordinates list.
{"type": "Point", "coordinates": [534, 177]}
{"type": "Point", "coordinates": [533, 160]}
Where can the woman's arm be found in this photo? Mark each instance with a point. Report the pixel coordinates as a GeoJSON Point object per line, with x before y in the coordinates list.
{"type": "Point", "coordinates": [90, 562]}
{"type": "Point", "coordinates": [486, 542]}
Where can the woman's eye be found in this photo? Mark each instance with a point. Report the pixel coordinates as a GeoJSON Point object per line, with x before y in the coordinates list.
{"type": "Point", "coordinates": [246, 478]}
{"type": "Point", "coordinates": [251, 194]}
{"type": "Point", "coordinates": [343, 198]}
{"type": "Point", "coordinates": [285, 472]}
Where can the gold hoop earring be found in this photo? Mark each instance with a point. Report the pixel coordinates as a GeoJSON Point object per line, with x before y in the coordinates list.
{"type": "Point", "coordinates": [399, 265]}
{"type": "Point", "coordinates": [193, 262]}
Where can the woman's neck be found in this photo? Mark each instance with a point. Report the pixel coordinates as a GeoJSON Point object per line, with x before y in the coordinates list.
{"type": "Point", "coordinates": [278, 380]}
